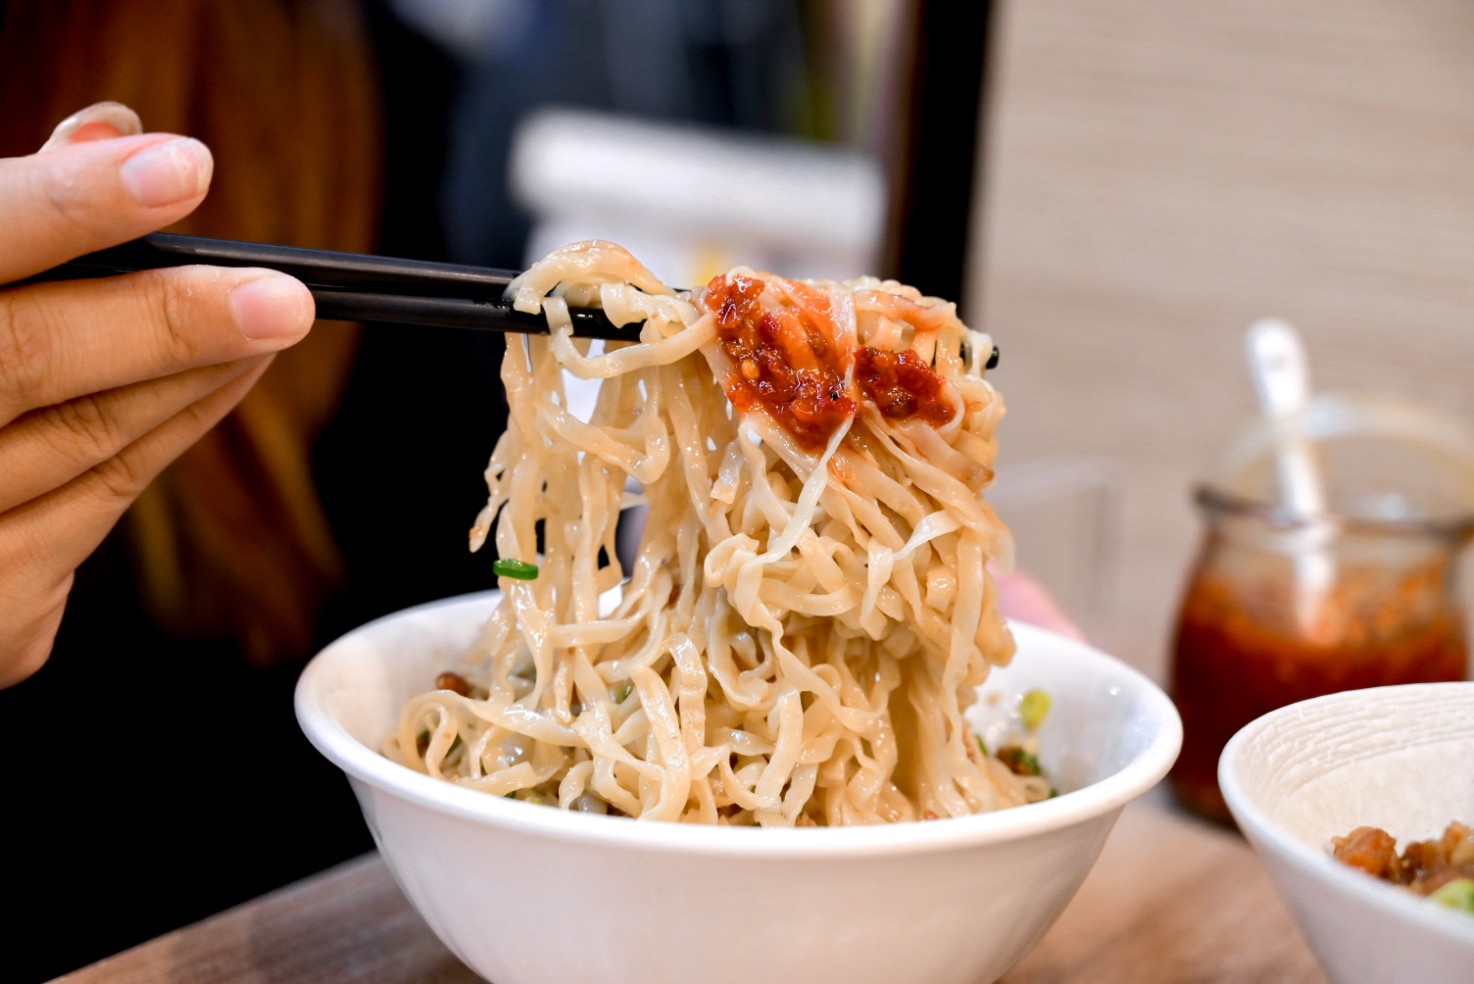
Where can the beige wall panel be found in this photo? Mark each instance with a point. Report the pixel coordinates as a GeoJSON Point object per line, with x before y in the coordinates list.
{"type": "Point", "coordinates": [1159, 174]}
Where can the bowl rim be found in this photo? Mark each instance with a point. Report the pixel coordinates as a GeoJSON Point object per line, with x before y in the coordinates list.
{"type": "Point", "coordinates": [370, 767]}
{"type": "Point", "coordinates": [1268, 836]}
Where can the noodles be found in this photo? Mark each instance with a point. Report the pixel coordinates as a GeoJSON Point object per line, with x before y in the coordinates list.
{"type": "Point", "coordinates": [809, 610]}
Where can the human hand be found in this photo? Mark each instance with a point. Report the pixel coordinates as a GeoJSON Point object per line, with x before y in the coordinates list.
{"type": "Point", "coordinates": [104, 382]}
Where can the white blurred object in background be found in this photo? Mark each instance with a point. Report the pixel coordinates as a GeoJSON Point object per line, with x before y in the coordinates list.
{"type": "Point", "coordinates": [692, 202]}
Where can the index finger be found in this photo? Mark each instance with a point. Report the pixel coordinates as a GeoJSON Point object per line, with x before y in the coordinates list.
{"type": "Point", "coordinates": [80, 197]}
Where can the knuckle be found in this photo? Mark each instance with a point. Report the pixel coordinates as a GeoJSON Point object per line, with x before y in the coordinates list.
{"type": "Point", "coordinates": [25, 352]}
{"type": "Point", "coordinates": [121, 478]}
{"type": "Point", "coordinates": [62, 190]}
{"type": "Point", "coordinates": [33, 600]}
{"type": "Point", "coordinates": [82, 427]}
{"type": "Point", "coordinates": [175, 296]}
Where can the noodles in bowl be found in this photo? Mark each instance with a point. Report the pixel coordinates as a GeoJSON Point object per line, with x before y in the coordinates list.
{"type": "Point", "coordinates": [526, 894]}
{"type": "Point", "coordinates": [808, 612]}
{"type": "Point", "coordinates": [806, 635]}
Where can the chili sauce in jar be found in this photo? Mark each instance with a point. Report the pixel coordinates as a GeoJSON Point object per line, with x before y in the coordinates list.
{"type": "Point", "coordinates": [1277, 610]}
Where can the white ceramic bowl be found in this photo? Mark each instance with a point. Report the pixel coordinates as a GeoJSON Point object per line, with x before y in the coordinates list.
{"type": "Point", "coordinates": [526, 894]}
{"type": "Point", "coordinates": [1400, 758]}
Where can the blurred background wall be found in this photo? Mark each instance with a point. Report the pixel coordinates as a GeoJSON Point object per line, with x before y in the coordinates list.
{"type": "Point", "coordinates": [1113, 189]}
{"type": "Point", "coordinates": [1156, 176]}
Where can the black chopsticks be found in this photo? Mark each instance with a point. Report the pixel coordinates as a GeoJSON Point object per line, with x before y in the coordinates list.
{"type": "Point", "coordinates": [358, 287]}
{"type": "Point", "coordinates": [353, 286]}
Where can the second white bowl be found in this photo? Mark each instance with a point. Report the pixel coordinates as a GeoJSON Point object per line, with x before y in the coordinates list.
{"type": "Point", "coordinates": [1400, 758]}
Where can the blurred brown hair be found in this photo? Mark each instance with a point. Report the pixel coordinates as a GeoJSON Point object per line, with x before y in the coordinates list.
{"type": "Point", "coordinates": [232, 539]}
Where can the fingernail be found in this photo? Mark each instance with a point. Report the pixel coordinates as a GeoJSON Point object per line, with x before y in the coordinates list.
{"type": "Point", "coordinates": [113, 115]}
{"type": "Point", "coordinates": [170, 172]}
{"type": "Point", "coordinates": [272, 305]}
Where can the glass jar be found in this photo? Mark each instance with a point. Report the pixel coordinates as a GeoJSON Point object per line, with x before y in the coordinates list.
{"type": "Point", "coordinates": [1280, 608]}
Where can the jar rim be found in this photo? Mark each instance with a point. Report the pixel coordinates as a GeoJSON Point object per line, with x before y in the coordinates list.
{"type": "Point", "coordinates": [1217, 500]}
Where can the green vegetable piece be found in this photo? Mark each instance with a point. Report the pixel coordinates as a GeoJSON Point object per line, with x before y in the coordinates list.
{"type": "Point", "coordinates": [512, 567]}
{"type": "Point", "coordinates": [1457, 894]}
{"type": "Point", "coordinates": [624, 692]}
{"type": "Point", "coordinates": [982, 745]}
{"type": "Point", "coordinates": [1020, 761]}
{"type": "Point", "coordinates": [1033, 708]}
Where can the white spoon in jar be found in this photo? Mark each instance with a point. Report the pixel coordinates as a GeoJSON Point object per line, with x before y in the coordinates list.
{"type": "Point", "coordinates": [1281, 379]}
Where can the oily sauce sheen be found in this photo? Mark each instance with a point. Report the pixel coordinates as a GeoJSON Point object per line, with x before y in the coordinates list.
{"type": "Point", "coordinates": [788, 362]}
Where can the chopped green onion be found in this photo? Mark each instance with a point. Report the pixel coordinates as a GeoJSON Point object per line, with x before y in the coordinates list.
{"type": "Point", "coordinates": [1457, 894]}
{"type": "Point", "coordinates": [1033, 708]}
{"type": "Point", "coordinates": [512, 567]}
{"type": "Point", "coordinates": [624, 692]}
{"type": "Point", "coordinates": [982, 745]}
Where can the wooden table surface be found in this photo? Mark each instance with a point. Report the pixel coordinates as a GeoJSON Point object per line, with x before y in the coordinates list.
{"type": "Point", "coordinates": [1170, 899]}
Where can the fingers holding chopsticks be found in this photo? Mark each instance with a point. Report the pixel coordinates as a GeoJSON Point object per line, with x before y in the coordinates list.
{"type": "Point", "coordinates": [104, 382]}
{"type": "Point", "coordinates": [97, 183]}
{"type": "Point", "coordinates": [60, 341]}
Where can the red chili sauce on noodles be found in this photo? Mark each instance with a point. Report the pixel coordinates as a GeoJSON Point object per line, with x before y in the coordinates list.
{"type": "Point", "coordinates": [788, 360]}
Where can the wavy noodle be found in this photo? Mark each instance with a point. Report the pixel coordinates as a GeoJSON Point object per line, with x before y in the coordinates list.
{"type": "Point", "coordinates": [807, 614]}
